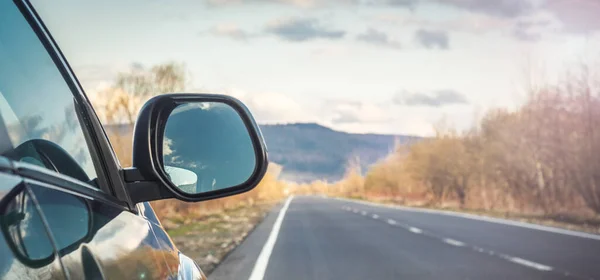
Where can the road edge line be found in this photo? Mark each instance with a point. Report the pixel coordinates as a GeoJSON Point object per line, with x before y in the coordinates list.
{"type": "Point", "coordinates": [260, 266]}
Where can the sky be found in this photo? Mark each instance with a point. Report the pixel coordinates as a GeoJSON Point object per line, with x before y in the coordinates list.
{"type": "Point", "coordinates": [362, 66]}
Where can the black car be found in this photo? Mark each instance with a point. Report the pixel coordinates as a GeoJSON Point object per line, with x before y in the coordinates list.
{"type": "Point", "coordinates": [68, 210]}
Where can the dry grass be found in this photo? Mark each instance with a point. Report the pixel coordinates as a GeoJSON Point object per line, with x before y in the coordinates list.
{"type": "Point", "coordinates": [210, 238]}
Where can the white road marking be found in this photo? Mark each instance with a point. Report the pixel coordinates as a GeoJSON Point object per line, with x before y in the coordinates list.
{"type": "Point", "coordinates": [258, 272]}
{"type": "Point", "coordinates": [529, 263]}
{"type": "Point", "coordinates": [453, 242]}
{"type": "Point", "coordinates": [481, 218]}
{"type": "Point", "coordinates": [354, 211]}
{"type": "Point", "coordinates": [415, 230]}
{"type": "Point", "coordinates": [364, 213]}
{"type": "Point", "coordinates": [457, 243]}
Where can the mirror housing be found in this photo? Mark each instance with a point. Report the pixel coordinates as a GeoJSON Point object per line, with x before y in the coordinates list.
{"type": "Point", "coordinates": [149, 177]}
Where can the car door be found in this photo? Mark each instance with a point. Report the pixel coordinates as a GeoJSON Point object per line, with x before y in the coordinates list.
{"type": "Point", "coordinates": [64, 170]}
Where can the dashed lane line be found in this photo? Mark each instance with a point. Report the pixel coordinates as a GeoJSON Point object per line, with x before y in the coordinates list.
{"type": "Point", "coordinates": [527, 263]}
{"type": "Point", "coordinates": [415, 230]}
{"type": "Point", "coordinates": [453, 242]}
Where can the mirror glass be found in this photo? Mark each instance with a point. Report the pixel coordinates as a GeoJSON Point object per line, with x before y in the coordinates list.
{"type": "Point", "coordinates": [25, 231]}
{"type": "Point", "coordinates": [207, 147]}
{"type": "Point", "coordinates": [69, 217]}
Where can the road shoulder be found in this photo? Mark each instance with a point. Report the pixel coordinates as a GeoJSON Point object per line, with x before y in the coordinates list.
{"type": "Point", "coordinates": [238, 264]}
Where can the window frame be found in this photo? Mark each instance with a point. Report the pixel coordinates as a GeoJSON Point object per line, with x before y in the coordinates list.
{"type": "Point", "coordinates": [106, 164]}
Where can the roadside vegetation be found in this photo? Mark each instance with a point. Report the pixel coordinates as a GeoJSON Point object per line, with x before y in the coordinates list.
{"type": "Point", "coordinates": [539, 162]}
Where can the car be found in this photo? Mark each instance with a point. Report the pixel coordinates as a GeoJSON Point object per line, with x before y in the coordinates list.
{"type": "Point", "coordinates": [68, 210]}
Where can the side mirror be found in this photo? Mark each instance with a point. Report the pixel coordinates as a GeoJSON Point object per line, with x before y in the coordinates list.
{"type": "Point", "coordinates": [25, 230]}
{"type": "Point", "coordinates": [195, 147]}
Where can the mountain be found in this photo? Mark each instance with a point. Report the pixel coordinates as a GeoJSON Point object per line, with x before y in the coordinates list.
{"type": "Point", "coordinates": [309, 151]}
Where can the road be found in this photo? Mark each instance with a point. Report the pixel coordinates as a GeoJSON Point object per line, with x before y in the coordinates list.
{"type": "Point", "coordinates": [326, 238]}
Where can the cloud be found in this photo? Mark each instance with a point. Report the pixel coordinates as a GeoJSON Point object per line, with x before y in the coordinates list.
{"type": "Point", "coordinates": [525, 30]}
{"type": "Point", "coordinates": [498, 8]}
{"type": "Point", "coordinates": [340, 114]}
{"type": "Point", "coordinates": [372, 36]}
{"type": "Point", "coordinates": [295, 3]}
{"type": "Point", "coordinates": [432, 38]}
{"type": "Point", "coordinates": [330, 51]}
{"type": "Point", "coordinates": [223, 2]}
{"type": "Point", "coordinates": [535, 27]}
{"type": "Point", "coordinates": [469, 23]}
{"type": "Point", "coordinates": [231, 31]}
{"type": "Point", "coordinates": [347, 112]}
{"type": "Point", "coordinates": [411, 4]}
{"type": "Point", "coordinates": [526, 35]}
{"type": "Point", "coordinates": [576, 16]}
{"type": "Point", "coordinates": [95, 78]}
{"type": "Point", "coordinates": [95, 74]}
{"type": "Point", "coordinates": [302, 29]}
{"type": "Point", "coordinates": [436, 98]}
{"type": "Point", "coordinates": [272, 107]}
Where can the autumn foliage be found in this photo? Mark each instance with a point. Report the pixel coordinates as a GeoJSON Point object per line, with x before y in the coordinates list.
{"type": "Point", "coordinates": [541, 158]}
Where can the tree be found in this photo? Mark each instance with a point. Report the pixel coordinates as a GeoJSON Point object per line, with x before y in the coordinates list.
{"type": "Point", "coordinates": [119, 105]}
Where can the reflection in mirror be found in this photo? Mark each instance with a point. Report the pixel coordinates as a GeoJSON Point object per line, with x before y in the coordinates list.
{"type": "Point", "coordinates": [207, 147]}
{"type": "Point", "coordinates": [26, 251]}
{"type": "Point", "coordinates": [67, 215]}
{"type": "Point", "coordinates": [182, 178]}
{"type": "Point", "coordinates": [25, 230]}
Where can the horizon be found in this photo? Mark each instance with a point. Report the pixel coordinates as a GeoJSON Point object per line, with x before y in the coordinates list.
{"type": "Point", "coordinates": [336, 130]}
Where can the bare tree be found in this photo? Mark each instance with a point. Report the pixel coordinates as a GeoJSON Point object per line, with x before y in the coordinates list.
{"type": "Point", "coordinates": [119, 105]}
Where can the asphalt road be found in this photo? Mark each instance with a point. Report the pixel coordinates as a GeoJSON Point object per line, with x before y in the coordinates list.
{"type": "Point", "coordinates": [324, 238]}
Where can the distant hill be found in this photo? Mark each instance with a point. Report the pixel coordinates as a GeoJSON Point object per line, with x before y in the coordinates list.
{"type": "Point", "coordinates": [308, 151]}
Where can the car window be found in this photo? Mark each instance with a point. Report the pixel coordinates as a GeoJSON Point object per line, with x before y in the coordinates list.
{"type": "Point", "coordinates": [38, 113]}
